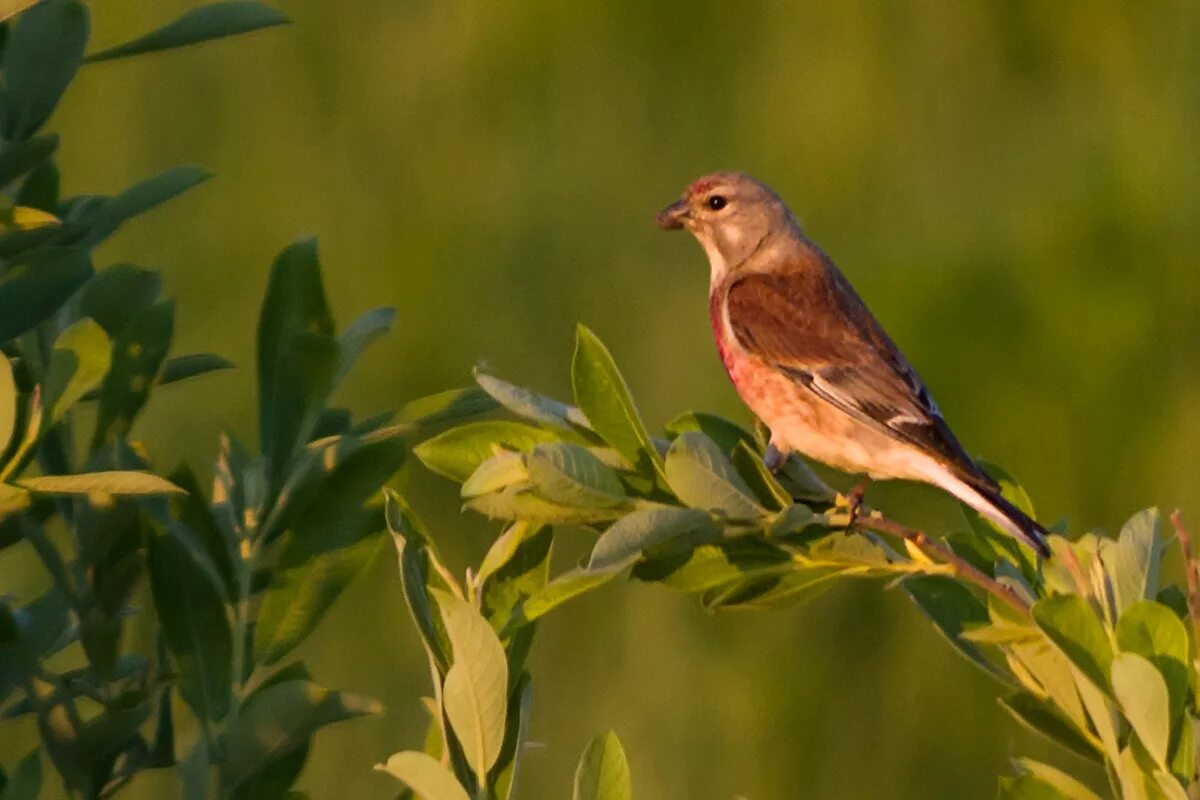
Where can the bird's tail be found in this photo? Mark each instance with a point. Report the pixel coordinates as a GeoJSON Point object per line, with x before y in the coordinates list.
{"type": "Point", "coordinates": [991, 504]}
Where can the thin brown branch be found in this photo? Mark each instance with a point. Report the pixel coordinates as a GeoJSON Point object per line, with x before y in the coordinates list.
{"type": "Point", "coordinates": [938, 552]}
{"type": "Point", "coordinates": [1192, 572]}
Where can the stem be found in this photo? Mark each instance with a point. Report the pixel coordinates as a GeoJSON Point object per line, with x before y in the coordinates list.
{"type": "Point", "coordinates": [241, 614]}
{"type": "Point", "coordinates": [1193, 575]}
{"type": "Point", "coordinates": [935, 550]}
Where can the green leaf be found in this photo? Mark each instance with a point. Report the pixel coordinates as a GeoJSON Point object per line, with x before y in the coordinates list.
{"type": "Point", "coordinates": [531, 405]}
{"type": "Point", "coordinates": [953, 609]}
{"type": "Point", "coordinates": [1028, 787]}
{"type": "Point", "coordinates": [1138, 552]}
{"type": "Point", "coordinates": [37, 284]}
{"type": "Point", "coordinates": [1069, 622]}
{"type": "Point", "coordinates": [772, 588]}
{"type": "Point", "coordinates": [516, 567]}
{"type": "Point", "coordinates": [451, 405]}
{"type": "Point", "coordinates": [516, 503]}
{"type": "Point", "coordinates": [566, 586]}
{"type": "Point", "coordinates": [1152, 630]}
{"type": "Point", "coordinates": [754, 472]}
{"type": "Point", "coordinates": [117, 294]}
{"type": "Point", "coordinates": [213, 21]}
{"type": "Point", "coordinates": [700, 475]}
{"type": "Point", "coordinates": [567, 473]}
{"type": "Point", "coordinates": [414, 551]}
{"type": "Point", "coordinates": [13, 7]}
{"type": "Point", "coordinates": [25, 782]}
{"type": "Point", "coordinates": [700, 568]}
{"type": "Point", "coordinates": [458, 452]}
{"type": "Point", "coordinates": [425, 775]}
{"type": "Point", "coordinates": [1066, 785]}
{"type": "Point", "coordinates": [195, 626]}
{"type": "Point", "coordinates": [604, 399]}
{"type": "Point", "coordinates": [138, 355]}
{"type": "Point", "coordinates": [507, 770]}
{"type": "Point", "coordinates": [1044, 720]}
{"type": "Point", "coordinates": [623, 543]}
{"type": "Point", "coordinates": [281, 718]}
{"type": "Point", "coordinates": [80, 359]}
{"type": "Point", "coordinates": [18, 158]}
{"type": "Point", "coordinates": [603, 772]}
{"type": "Point", "coordinates": [300, 596]}
{"type": "Point", "coordinates": [181, 368]}
{"type": "Point", "coordinates": [118, 482]}
{"type": "Point", "coordinates": [728, 435]}
{"type": "Point", "coordinates": [297, 354]}
{"type": "Point", "coordinates": [8, 405]}
{"type": "Point", "coordinates": [41, 56]}
{"type": "Point", "coordinates": [140, 198]}
{"type": "Point", "coordinates": [355, 339]}
{"type": "Point", "coordinates": [498, 472]}
{"type": "Point", "coordinates": [474, 694]}
{"type": "Point", "coordinates": [1142, 693]}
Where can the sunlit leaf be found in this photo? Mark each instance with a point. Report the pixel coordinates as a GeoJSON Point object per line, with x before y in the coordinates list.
{"type": "Point", "coordinates": [531, 405]}
{"type": "Point", "coordinates": [624, 541]}
{"type": "Point", "coordinates": [475, 692]}
{"type": "Point", "coordinates": [498, 472]}
{"type": "Point", "coordinates": [425, 775]}
{"type": "Point", "coordinates": [603, 772]}
{"type": "Point", "coordinates": [725, 433]}
{"type": "Point", "coordinates": [1142, 693]}
{"type": "Point", "coordinates": [213, 21]}
{"type": "Point", "coordinates": [8, 404]}
{"type": "Point", "coordinates": [80, 359]}
{"type": "Point", "coordinates": [1152, 630]}
{"type": "Point", "coordinates": [1070, 788]}
{"type": "Point", "coordinates": [1028, 787]}
{"type": "Point", "coordinates": [415, 556]}
{"type": "Point", "coordinates": [517, 503]}
{"type": "Point", "coordinates": [42, 53]}
{"type": "Point", "coordinates": [1042, 719]}
{"type": "Point", "coordinates": [1069, 622]}
{"type": "Point", "coordinates": [1138, 553]}
{"type": "Point", "coordinates": [567, 473]}
{"type": "Point", "coordinates": [702, 477]}
{"type": "Point", "coordinates": [459, 451]}
{"type": "Point", "coordinates": [118, 482]}
{"type": "Point", "coordinates": [562, 588]}
{"type": "Point", "coordinates": [604, 399]}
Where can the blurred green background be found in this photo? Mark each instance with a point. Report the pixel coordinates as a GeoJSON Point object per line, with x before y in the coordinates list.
{"type": "Point", "coordinates": [1012, 186]}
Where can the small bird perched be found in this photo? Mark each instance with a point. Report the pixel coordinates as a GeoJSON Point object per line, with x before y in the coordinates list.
{"type": "Point", "coordinates": [812, 362]}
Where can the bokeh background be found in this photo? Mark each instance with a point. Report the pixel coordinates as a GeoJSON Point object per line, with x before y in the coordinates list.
{"type": "Point", "coordinates": [1012, 185]}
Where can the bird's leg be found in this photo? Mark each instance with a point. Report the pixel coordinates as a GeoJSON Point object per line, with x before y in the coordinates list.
{"type": "Point", "coordinates": [774, 458]}
{"type": "Point", "coordinates": [854, 500]}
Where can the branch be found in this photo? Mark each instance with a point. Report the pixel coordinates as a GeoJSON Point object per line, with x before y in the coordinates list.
{"type": "Point", "coordinates": [1193, 574]}
{"type": "Point", "coordinates": [936, 550]}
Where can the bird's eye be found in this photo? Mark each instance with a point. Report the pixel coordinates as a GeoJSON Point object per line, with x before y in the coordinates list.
{"type": "Point", "coordinates": [716, 202]}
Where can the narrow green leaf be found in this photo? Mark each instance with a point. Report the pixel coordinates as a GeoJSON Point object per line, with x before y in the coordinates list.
{"type": "Point", "coordinates": [1043, 720]}
{"type": "Point", "coordinates": [498, 472]}
{"type": "Point", "coordinates": [18, 158]}
{"type": "Point", "coordinates": [765, 486]}
{"type": "Point", "coordinates": [213, 21]}
{"type": "Point", "coordinates": [117, 294]}
{"type": "Point", "coordinates": [37, 284]}
{"type": "Point", "coordinates": [458, 452]}
{"type": "Point", "coordinates": [531, 405]}
{"type": "Point", "coordinates": [180, 368]}
{"type": "Point", "coordinates": [772, 588]}
{"type": "Point", "coordinates": [80, 359]}
{"type": "Point", "coordinates": [413, 549]}
{"type": "Point", "coordinates": [474, 694]}
{"type": "Point", "coordinates": [452, 405]}
{"type": "Point", "coordinates": [118, 482]}
{"type": "Point", "coordinates": [138, 355]}
{"type": "Point", "coordinates": [25, 782]}
{"type": "Point", "coordinates": [702, 477]}
{"type": "Point", "coordinates": [603, 772]}
{"type": "Point", "coordinates": [194, 625]}
{"type": "Point", "coordinates": [1142, 693]}
{"type": "Point", "coordinates": [425, 775]}
{"type": "Point", "coordinates": [604, 399]}
{"type": "Point", "coordinates": [140, 198]}
{"type": "Point", "coordinates": [1138, 553]}
{"type": "Point", "coordinates": [281, 718]}
{"type": "Point", "coordinates": [566, 586]}
{"type": "Point", "coordinates": [567, 473]}
{"type": "Point", "coordinates": [1066, 785]}
{"type": "Point", "coordinates": [1028, 787]}
{"type": "Point", "coordinates": [1069, 622]}
{"type": "Point", "coordinates": [355, 339]}
{"type": "Point", "coordinates": [507, 771]}
{"type": "Point", "coordinates": [42, 53]}
{"type": "Point", "coordinates": [623, 543]}
{"type": "Point", "coordinates": [8, 405]}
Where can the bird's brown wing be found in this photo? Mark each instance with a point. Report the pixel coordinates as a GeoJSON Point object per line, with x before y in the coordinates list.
{"type": "Point", "coordinates": [813, 327]}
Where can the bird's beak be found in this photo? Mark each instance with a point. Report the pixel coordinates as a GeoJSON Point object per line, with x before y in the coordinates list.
{"type": "Point", "coordinates": [673, 216]}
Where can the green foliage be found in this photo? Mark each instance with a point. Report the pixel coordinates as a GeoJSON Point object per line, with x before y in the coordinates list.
{"type": "Point", "coordinates": [239, 576]}
{"type": "Point", "coordinates": [1084, 651]}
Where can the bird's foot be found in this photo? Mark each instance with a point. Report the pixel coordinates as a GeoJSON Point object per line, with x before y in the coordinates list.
{"type": "Point", "coordinates": [774, 458]}
{"type": "Point", "coordinates": [853, 501]}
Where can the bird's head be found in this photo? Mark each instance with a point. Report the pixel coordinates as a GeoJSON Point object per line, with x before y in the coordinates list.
{"type": "Point", "coordinates": [731, 214]}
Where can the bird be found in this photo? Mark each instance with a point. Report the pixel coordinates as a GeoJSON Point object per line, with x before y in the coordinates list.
{"type": "Point", "coordinates": [812, 362]}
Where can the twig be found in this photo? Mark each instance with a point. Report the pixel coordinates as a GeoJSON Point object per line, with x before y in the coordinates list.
{"type": "Point", "coordinates": [1192, 572]}
{"type": "Point", "coordinates": [933, 549]}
